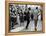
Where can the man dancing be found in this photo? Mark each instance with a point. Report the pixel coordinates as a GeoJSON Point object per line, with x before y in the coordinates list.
{"type": "Point", "coordinates": [36, 17]}
{"type": "Point", "coordinates": [28, 18]}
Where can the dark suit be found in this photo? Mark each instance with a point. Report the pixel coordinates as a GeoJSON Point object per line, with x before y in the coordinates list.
{"type": "Point", "coordinates": [28, 19]}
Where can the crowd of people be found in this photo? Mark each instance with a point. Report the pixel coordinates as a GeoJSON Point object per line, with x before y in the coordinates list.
{"type": "Point", "coordinates": [18, 16]}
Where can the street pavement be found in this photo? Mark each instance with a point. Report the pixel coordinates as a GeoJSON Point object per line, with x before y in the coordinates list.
{"type": "Point", "coordinates": [31, 26]}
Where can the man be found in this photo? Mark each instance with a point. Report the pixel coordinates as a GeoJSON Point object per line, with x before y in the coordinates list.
{"type": "Point", "coordinates": [28, 19]}
{"type": "Point", "coordinates": [36, 17]}
{"type": "Point", "coordinates": [12, 19]}
{"type": "Point", "coordinates": [31, 13]}
{"type": "Point", "coordinates": [21, 18]}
